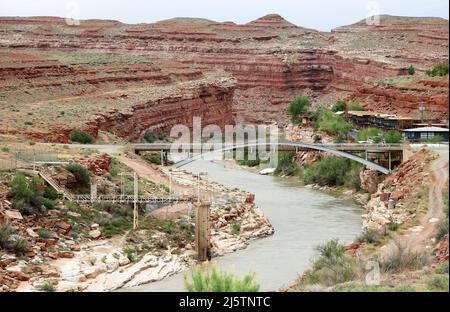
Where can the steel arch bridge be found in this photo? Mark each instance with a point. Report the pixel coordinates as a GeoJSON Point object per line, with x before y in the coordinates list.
{"type": "Point", "coordinates": [301, 146]}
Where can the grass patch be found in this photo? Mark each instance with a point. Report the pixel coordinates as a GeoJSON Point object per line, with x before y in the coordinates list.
{"type": "Point", "coordinates": [332, 266]}
{"type": "Point", "coordinates": [206, 278]}
{"type": "Point", "coordinates": [47, 287]}
{"type": "Point", "coordinates": [235, 229]}
{"type": "Point", "coordinates": [401, 258]}
{"type": "Point", "coordinates": [438, 283]}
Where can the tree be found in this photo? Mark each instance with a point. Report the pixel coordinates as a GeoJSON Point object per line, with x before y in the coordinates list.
{"type": "Point", "coordinates": [369, 134]}
{"type": "Point", "coordinates": [335, 124]}
{"type": "Point", "coordinates": [392, 136]}
{"type": "Point", "coordinates": [298, 106]}
{"type": "Point", "coordinates": [81, 174]}
{"type": "Point", "coordinates": [81, 137]}
{"type": "Point", "coordinates": [411, 70]}
{"type": "Point", "coordinates": [355, 106]}
{"type": "Point", "coordinates": [206, 278]}
{"type": "Point", "coordinates": [438, 70]}
{"type": "Point", "coordinates": [340, 106]}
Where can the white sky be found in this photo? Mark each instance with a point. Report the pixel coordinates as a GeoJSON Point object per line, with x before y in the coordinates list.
{"type": "Point", "coordinates": [317, 14]}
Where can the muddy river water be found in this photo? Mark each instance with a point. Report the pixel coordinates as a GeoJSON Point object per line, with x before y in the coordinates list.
{"type": "Point", "coordinates": [302, 218]}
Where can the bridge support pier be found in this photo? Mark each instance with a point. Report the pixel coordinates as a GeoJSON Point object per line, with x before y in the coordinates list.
{"type": "Point", "coordinates": [202, 230]}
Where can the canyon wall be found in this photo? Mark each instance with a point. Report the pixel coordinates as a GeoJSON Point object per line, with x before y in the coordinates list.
{"type": "Point", "coordinates": [271, 59]}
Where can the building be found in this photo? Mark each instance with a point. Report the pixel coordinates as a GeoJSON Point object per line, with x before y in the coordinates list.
{"type": "Point", "coordinates": [364, 119]}
{"type": "Point", "coordinates": [425, 133]}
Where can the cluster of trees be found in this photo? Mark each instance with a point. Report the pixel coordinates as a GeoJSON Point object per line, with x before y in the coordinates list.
{"type": "Point", "coordinates": [332, 171]}
{"type": "Point", "coordinates": [438, 70]}
{"type": "Point", "coordinates": [378, 135]}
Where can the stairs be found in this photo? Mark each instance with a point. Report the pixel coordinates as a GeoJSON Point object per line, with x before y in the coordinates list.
{"type": "Point", "coordinates": [61, 190]}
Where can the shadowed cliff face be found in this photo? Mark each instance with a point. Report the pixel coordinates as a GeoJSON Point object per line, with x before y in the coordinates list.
{"type": "Point", "coordinates": [271, 59]}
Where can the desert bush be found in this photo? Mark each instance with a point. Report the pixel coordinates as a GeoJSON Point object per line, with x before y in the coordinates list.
{"type": "Point", "coordinates": [400, 257]}
{"type": "Point", "coordinates": [392, 136]}
{"type": "Point", "coordinates": [335, 124]}
{"type": "Point", "coordinates": [286, 164]}
{"type": "Point", "coordinates": [317, 138]}
{"type": "Point", "coordinates": [438, 283]}
{"type": "Point", "coordinates": [332, 171]}
{"type": "Point", "coordinates": [80, 173]}
{"type": "Point", "coordinates": [438, 70]}
{"type": "Point", "coordinates": [411, 70]}
{"type": "Point", "coordinates": [393, 226]}
{"type": "Point", "coordinates": [5, 234]}
{"type": "Point", "coordinates": [298, 106]}
{"type": "Point", "coordinates": [340, 106]}
{"type": "Point", "coordinates": [206, 278]}
{"type": "Point", "coordinates": [355, 106]}
{"type": "Point", "coordinates": [45, 234]}
{"type": "Point", "coordinates": [332, 266]}
{"type": "Point", "coordinates": [50, 193]}
{"type": "Point", "coordinates": [442, 269]}
{"type": "Point", "coordinates": [47, 287]}
{"type": "Point", "coordinates": [370, 236]}
{"type": "Point", "coordinates": [27, 194]}
{"type": "Point", "coordinates": [81, 137]}
{"type": "Point", "coordinates": [151, 137]}
{"type": "Point", "coordinates": [235, 228]}
{"type": "Point", "coordinates": [10, 241]}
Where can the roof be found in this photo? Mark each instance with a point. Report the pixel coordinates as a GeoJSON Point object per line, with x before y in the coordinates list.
{"type": "Point", "coordinates": [427, 129]}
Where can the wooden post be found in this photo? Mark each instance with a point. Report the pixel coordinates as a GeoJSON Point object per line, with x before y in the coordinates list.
{"type": "Point", "coordinates": [202, 230]}
{"type": "Point", "coordinates": [135, 201]}
{"type": "Point", "coordinates": [93, 190]}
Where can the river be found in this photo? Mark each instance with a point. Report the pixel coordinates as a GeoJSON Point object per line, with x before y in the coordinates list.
{"type": "Point", "coordinates": [302, 218]}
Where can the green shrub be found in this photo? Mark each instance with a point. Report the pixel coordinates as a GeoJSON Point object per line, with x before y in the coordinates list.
{"type": "Point", "coordinates": [286, 164]}
{"type": "Point", "coordinates": [332, 171]}
{"type": "Point", "coordinates": [392, 136]}
{"type": "Point", "coordinates": [130, 253]}
{"type": "Point", "coordinates": [27, 194]}
{"type": "Point", "coordinates": [332, 266]}
{"type": "Point", "coordinates": [151, 137]}
{"type": "Point", "coordinates": [4, 149]}
{"type": "Point", "coordinates": [335, 124]}
{"type": "Point", "coordinates": [47, 286]}
{"type": "Point", "coordinates": [45, 234]}
{"type": "Point", "coordinates": [235, 228]}
{"type": "Point", "coordinates": [50, 193]}
{"type": "Point", "coordinates": [438, 70]}
{"type": "Point", "coordinates": [369, 134]}
{"type": "Point", "coordinates": [48, 203]}
{"type": "Point", "coordinates": [81, 137]}
{"type": "Point", "coordinates": [411, 70]}
{"type": "Point", "coordinates": [18, 245]}
{"type": "Point", "coordinates": [370, 236]}
{"type": "Point", "coordinates": [5, 234]}
{"type": "Point", "coordinates": [435, 139]}
{"type": "Point", "coordinates": [355, 106]}
{"type": "Point", "coordinates": [442, 269]}
{"type": "Point", "coordinates": [298, 106]}
{"type": "Point", "coordinates": [80, 173]}
{"type": "Point", "coordinates": [250, 159]}
{"type": "Point", "coordinates": [393, 226]}
{"type": "Point", "coordinates": [340, 106]}
{"type": "Point", "coordinates": [206, 278]}
{"type": "Point", "coordinates": [28, 123]}
{"type": "Point", "coordinates": [317, 138]}
{"type": "Point", "coordinates": [438, 283]}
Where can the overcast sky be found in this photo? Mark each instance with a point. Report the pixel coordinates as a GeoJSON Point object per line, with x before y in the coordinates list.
{"type": "Point", "coordinates": [318, 14]}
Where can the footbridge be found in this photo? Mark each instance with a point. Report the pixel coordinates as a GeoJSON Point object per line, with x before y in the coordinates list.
{"type": "Point", "coordinates": [198, 151]}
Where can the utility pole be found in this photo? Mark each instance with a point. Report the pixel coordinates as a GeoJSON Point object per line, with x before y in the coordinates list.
{"type": "Point", "coordinates": [422, 110]}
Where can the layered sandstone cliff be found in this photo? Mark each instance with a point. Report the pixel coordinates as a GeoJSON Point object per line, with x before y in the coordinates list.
{"type": "Point", "coordinates": [272, 59]}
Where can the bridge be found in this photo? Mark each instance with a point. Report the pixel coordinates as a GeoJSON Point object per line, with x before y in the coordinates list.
{"type": "Point", "coordinates": [341, 150]}
{"type": "Point", "coordinates": [122, 198]}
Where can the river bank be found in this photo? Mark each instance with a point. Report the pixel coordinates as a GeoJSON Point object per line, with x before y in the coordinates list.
{"type": "Point", "coordinates": [302, 219]}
